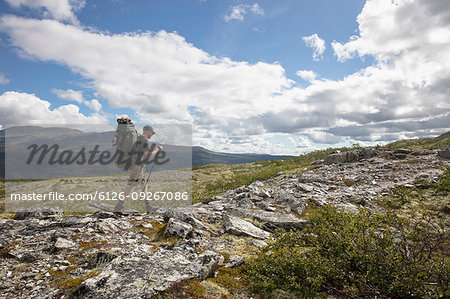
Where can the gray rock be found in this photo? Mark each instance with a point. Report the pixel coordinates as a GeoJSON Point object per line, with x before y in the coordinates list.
{"type": "Point", "coordinates": [346, 157]}
{"type": "Point", "coordinates": [350, 157]}
{"type": "Point", "coordinates": [402, 151]}
{"type": "Point", "coordinates": [39, 212]}
{"type": "Point", "coordinates": [257, 243]}
{"type": "Point", "coordinates": [366, 153]}
{"type": "Point", "coordinates": [177, 228]}
{"type": "Point", "coordinates": [109, 208]}
{"type": "Point", "coordinates": [241, 227]}
{"type": "Point", "coordinates": [104, 215]}
{"type": "Point", "coordinates": [445, 153]}
{"type": "Point", "coordinates": [62, 243]}
{"type": "Point", "coordinates": [76, 221]}
{"type": "Point", "coordinates": [132, 277]}
{"type": "Point", "coordinates": [246, 203]}
{"type": "Point", "coordinates": [399, 156]}
{"type": "Point", "coordinates": [281, 220]}
{"type": "Point", "coordinates": [304, 187]}
{"type": "Point", "coordinates": [317, 162]}
{"type": "Point", "coordinates": [206, 264]}
{"type": "Point", "coordinates": [289, 200]}
{"type": "Point", "coordinates": [264, 193]}
{"type": "Point", "coordinates": [110, 225]}
{"type": "Point", "coordinates": [255, 185]}
{"type": "Point", "coordinates": [235, 261]}
{"type": "Point", "coordinates": [100, 259]}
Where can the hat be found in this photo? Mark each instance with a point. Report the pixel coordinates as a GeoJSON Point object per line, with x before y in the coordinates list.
{"type": "Point", "coordinates": [149, 128]}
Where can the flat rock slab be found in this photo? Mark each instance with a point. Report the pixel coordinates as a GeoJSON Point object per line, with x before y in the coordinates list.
{"type": "Point", "coordinates": [133, 277]}
{"type": "Point", "coordinates": [241, 227]}
{"type": "Point", "coordinates": [111, 225]}
{"type": "Point", "coordinates": [280, 220]}
{"type": "Point", "coordinates": [109, 208]}
{"type": "Point", "coordinates": [39, 213]}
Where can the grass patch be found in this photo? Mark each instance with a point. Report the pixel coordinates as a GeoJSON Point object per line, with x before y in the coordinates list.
{"type": "Point", "coordinates": [184, 289]}
{"type": "Point", "coordinates": [235, 280]}
{"type": "Point", "coordinates": [71, 285]}
{"type": "Point", "coordinates": [87, 245]}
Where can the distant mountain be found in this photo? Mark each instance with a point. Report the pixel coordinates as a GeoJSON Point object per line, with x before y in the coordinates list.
{"type": "Point", "coordinates": [18, 139]}
{"type": "Point", "coordinates": [202, 156]}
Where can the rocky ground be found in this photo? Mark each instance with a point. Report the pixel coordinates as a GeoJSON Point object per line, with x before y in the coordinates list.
{"type": "Point", "coordinates": [101, 255]}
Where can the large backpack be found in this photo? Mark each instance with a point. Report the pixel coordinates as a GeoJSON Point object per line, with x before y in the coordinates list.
{"type": "Point", "coordinates": [126, 137]}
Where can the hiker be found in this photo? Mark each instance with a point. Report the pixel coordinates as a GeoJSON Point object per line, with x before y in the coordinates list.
{"type": "Point", "coordinates": [141, 151]}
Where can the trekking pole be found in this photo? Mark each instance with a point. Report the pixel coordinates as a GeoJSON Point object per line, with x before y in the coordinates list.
{"type": "Point", "coordinates": [149, 174]}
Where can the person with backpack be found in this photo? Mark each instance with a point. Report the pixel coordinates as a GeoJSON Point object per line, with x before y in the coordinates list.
{"type": "Point", "coordinates": [142, 150]}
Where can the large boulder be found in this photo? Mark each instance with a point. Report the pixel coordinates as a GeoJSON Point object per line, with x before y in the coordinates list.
{"type": "Point", "coordinates": [241, 227]}
{"type": "Point", "coordinates": [137, 277]}
{"type": "Point", "coordinates": [279, 220]}
{"type": "Point", "coordinates": [350, 157]}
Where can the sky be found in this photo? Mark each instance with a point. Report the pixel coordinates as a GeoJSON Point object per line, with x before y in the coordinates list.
{"type": "Point", "coordinates": [279, 77]}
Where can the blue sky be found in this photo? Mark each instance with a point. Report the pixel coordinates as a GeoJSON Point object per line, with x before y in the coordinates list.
{"type": "Point", "coordinates": [250, 76]}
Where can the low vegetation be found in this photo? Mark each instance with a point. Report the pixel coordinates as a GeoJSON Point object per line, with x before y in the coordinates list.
{"type": "Point", "coordinates": [362, 255]}
{"type": "Point", "coordinates": [421, 143]}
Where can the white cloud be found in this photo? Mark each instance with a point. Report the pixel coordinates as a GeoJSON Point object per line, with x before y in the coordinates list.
{"type": "Point", "coordinates": [390, 29]}
{"type": "Point", "coordinates": [257, 9]}
{"type": "Point", "coordinates": [309, 76]}
{"type": "Point", "coordinates": [157, 74]}
{"type": "Point", "coordinates": [25, 108]}
{"type": "Point", "coordinates": [238, 105]}
{"type": "Point", "coordinates": [3, 79]}
{"type": "Point", "coordinates": [94, 105]}
{"type": "Point", "coordinates": [237, 12]}
{"type": "Point", "coordinates": [317, 44]}
{"type": "Point", "coordinates": [69, 94]}
{"type": "Point", "coordinates": [77, 96]}
{"type": "Point", "coordinates": [62, 10]}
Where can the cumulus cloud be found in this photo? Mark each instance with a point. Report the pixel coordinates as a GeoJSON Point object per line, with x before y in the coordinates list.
{"type": "Point", "coordinates": [317, 44]}
{"type": "Point", "coordinates": [94, 105]}
{"type": "Point", "coordinates": [237, 12]}
{"type": "Point", "coordinates": [62, 10]}
{"type": "Point", "coordinates": [309, 76]}
{"type": "Point", "coordinates": [77, 96]}
{"type": "Point", "coordinates": [238, 105]}
{"type": "Point", "coordinates": [3, 79]}
{"type": "Point", "coordinates": [25, 108]}
{"type": "Point", "coordinates": [153, 73]}
{"type": "Point", "coordinates": [391, 29]}
{"type": "Point", "coordinates": [69, 94]}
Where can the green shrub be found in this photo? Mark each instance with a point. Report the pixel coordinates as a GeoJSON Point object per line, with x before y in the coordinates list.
{"type": "Point", "coordinates": [444, 180]}
{"type": "Point", "coordinates": [348, 255]}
